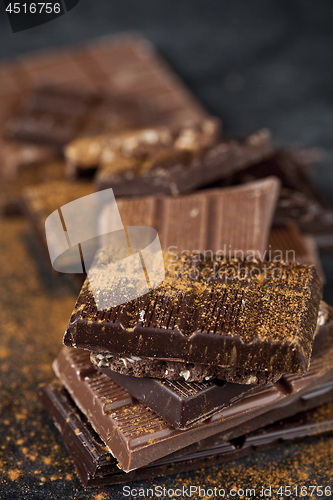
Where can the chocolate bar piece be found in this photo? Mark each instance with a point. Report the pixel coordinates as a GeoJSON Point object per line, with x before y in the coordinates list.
{"type": "Point", "coordinates": [300, 200]}
{"type": "Point", "coordinates": [181, 222]}
{"type": "Point", "coordinates": [96, 466]}
{"type": "Point", "coordinates": [235, 313]}
{"type": "Point", "coordinates": [179, 170]}
{"type": "Point", "coordinates": [55, 112]}
{"type": "Point", "coordinates": [190, 372]}
{"type": "Point", "coordinates": [136, 436]}
{"type": "Point", "coordinates": [181, 404]}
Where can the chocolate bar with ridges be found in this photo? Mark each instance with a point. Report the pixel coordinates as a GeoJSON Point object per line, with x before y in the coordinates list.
{"type": "Point", "coordinates": [136, 436]}
{"type": "Point", "coordinates": [205, 221]}
{"type": "Point", "coordinates": [180, 403]}
{"type": "Point", "coordinates": [254, 315]}
{"type": "Point", "coordinates": [96, 466]}
{"type": "Point", "coordinates": [190, 372]}
{"type": "Point", "coordinates": [181, 222]}
{"type": "Point", "coordinates": [113, 66]}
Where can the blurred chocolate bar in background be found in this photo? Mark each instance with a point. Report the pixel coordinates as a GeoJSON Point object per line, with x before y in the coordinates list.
{"type": "Point", "coordinates": [56, 115]}
{"type": "Point", "coordinates": [183, 167]}
{"type": "Point", "coordinates": [135, 150]}
{"type": "Point", "coordinates": [47, 98]}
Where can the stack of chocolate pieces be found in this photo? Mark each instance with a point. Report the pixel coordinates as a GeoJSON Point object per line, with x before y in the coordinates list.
{"type": "Point", "coordinates": [198, 370]}
{"type": "Point", "coordinates": [272, 338]}
{"type": "Point", "coordinates": [232, 351]}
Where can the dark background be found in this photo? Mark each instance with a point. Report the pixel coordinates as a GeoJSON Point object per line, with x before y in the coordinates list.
{"type": "Point", "coordinates": [254, 64]}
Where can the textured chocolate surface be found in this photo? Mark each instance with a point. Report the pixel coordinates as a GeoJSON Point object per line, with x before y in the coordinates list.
{"type": "Point", "coordinates": [235, 314]}
{"type": "Point", "coordinates": [181, 222]}
{"type": "Point", "coordinates": [96, 466]}
{"type": "Point", "coordinates": [136, 436]}
{"type": "Point", "coordinates": [190, 372]}
{"type": "Point", "coordinates": [174, 173]}
{"type": "Point", "coordinates": [206, 221]}
{"type": "Point", "coordinates": [175, 370]}
{"type": "Point", "coordinates": [180, 403]}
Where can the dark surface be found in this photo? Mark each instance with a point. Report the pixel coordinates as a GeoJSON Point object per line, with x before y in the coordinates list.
{"type": "Point", "coordinates": [254, 64]}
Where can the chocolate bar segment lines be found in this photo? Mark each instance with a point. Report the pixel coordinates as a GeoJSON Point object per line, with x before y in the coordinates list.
{"type": "Point", "coordinates": [259, 323]}
{"type": "Point", "coordinates": [190, 372]}
{"type": "Point", "coordinates": [180, 403]}
{"type": "Point", "coordinates": [205, 221]}
{"type": "Point", "coordinates": [96, 466]}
